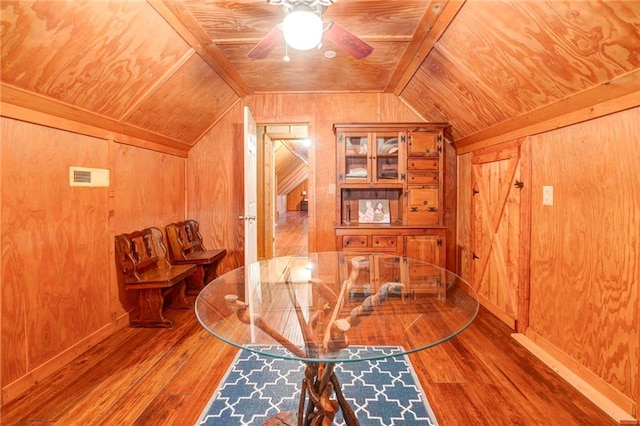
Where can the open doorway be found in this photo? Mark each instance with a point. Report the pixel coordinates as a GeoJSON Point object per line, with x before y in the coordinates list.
{"type": "Point", "coordinates": [283, 187]}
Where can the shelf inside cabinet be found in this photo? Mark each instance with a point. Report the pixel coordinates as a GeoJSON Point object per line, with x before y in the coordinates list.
{"type": "Point", "coordinates": [356, 166]}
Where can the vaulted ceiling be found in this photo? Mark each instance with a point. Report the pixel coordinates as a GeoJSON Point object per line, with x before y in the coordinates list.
{"type": "Point", "coordinates": [166, 71]}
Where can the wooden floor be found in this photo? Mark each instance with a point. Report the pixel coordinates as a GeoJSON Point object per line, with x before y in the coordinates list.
{"type": "Point", "coordinates": [166, 377]}
{"type": "Point", "coordinates": [291, 233]}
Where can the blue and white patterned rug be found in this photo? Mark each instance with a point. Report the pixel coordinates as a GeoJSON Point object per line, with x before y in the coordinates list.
{"type": "Point", "coordinates": [382, 392]}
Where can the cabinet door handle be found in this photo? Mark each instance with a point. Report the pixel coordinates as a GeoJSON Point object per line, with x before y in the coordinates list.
{"type": "Point", "coordinates": [414, 209]}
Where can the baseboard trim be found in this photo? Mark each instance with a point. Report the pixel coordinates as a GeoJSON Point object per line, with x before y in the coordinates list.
{"type": "Point", "coordinates": [18, 387]}
{"type": "Point", "coordinates": [605, 404]}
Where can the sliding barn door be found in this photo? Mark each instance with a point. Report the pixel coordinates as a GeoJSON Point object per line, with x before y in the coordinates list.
{"type": "Point", "coordinates": [499, 224]}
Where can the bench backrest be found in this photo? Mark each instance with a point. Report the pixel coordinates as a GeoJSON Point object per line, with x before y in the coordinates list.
{"type": "Point", "coordinates": [184, 238]}
{"type": "Point", "coordinates": [140, 251]}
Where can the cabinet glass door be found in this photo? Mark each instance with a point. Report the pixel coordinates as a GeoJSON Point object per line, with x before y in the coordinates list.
{"type": "Point", "coordinates": [356, 166]}
{"type": "Point", "coordinates": [387, 164]}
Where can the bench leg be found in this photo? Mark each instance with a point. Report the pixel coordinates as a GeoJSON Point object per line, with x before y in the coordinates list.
{"type": "Point", "coordinates": [150, 302]}
{"type": "Point", "coordinates": [177, 297]}
{"type": "Point", "coordinates": [210, 272]}
{"type": "Point", "coordinates": [196, 281]}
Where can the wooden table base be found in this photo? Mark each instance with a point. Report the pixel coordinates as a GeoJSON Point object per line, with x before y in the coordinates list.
{"type": "Point", "coordinates": [316, 405]}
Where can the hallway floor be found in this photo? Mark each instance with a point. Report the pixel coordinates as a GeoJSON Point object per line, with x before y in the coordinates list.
{"type": "Point", "coordinates": [291, 233]}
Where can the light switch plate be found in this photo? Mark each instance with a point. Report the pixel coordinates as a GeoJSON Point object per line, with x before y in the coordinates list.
{"type": "Point", "coordinates": [547, 195]}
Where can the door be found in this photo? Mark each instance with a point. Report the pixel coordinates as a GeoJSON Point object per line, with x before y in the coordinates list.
{"type": "Point", "coordinates": [501, 188]}
{"type": "Point", "coordinates": [250, 189]}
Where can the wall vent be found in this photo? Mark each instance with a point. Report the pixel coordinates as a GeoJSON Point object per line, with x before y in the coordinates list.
{"type": "Point", "coordinates": [83, 176]}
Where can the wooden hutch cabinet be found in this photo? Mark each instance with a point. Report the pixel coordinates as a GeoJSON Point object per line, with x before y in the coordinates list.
{"type": "Point", "coordinates": [391, 190]}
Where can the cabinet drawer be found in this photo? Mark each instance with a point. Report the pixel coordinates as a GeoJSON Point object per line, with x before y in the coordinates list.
{"type": "Point", "coordinates": [421, 216]}
{"type": "Point", "coordinates": [424, 196]}
{"type": "Point", "coordinates": [354, 241]}
{"type": "Point", "coordinates": [424, 143]}
{"type": "Point", "coordinates": [423, 205]}
{"type": "Point", "coordinates": [423, 164]}
{"type": "Point", "coordinates": [418, 178]}
{"type": "Point", "coordinates": [422, 273]}
{"type": "Point", "coordinates": [384, 241]}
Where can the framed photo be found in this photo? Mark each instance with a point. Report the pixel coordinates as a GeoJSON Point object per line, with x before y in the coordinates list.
{"type": "Point", "coordinates": [373, 211]}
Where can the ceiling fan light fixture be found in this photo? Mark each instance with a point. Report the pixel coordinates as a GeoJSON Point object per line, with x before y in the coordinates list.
{"type": "Point", "coordinates": [302, 28]}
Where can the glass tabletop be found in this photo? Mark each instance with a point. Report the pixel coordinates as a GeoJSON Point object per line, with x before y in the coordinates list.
{"type": "Point", "coordinates": [317, 306]}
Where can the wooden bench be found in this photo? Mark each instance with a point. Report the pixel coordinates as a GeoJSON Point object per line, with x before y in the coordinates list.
{"type": "Point", "coordinates": [142, 264]}
{"type": "Point", "coordinates": [186, 248]}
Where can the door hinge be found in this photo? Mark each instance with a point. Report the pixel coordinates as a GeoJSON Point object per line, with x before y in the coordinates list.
{"type": "Point", "coordinates": [403, 176]}
{"type": "Point", "coordinates": [340, 177]}
{"type": "Point", "coordinates": [439, 149]}
{"type": "Point", "coordinates": [403, 138]}
{"type": "Point", "coordinates": [439, 138]}
{"type": "Point", "coordinates": [439, 242]}
{"type": "Point", "coordinates": [519, 184]}
{"type": "Point", "coordinates": [341, 139]}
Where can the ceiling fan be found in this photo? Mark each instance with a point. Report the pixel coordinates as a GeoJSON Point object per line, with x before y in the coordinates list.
{"type": "Point", "coordinates": [303, 28]}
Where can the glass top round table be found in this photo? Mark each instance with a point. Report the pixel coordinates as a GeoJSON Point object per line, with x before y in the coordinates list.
{"type": "Point", "coordinates": [313, 308]}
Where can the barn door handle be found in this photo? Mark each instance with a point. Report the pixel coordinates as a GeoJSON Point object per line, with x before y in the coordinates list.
{"type": "Point", "coordinates": [475, 256]}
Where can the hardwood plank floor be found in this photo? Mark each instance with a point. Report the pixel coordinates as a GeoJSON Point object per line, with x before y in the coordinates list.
{"type": "Point", "coordinates": [143, 376]}
{"type": "Point", "coordinates": [291, 233]}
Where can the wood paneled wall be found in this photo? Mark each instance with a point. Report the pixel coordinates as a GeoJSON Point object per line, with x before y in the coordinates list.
{"type": "Point", "coordinates": [215, 188]}
{"type": "Point", "coordinates": [584, 250]}
{"type": "Point", "coordinates": [59, 291]}
{"type": "Point", "coordinates": [55, 248]}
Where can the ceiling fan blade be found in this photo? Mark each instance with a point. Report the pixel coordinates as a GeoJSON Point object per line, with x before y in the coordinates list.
{"type": "Point", "coordinates": [266, 45]}
{"type": "Point", "coordinates": [353, 45]}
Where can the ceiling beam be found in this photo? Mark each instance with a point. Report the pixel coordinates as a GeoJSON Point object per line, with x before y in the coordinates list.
{"type": "Point", "coordinates": [34, 108]}
{"type": "Point", "coordinates": [177, 15]}
{"type": "Point", "coordinates": [436, 19]}
{"type": "Point", "coordinates": [613, 96]}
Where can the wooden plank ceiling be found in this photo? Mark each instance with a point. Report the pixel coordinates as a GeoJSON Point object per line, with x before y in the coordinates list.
{"type": "Point", "coordinates": [166, 71]}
